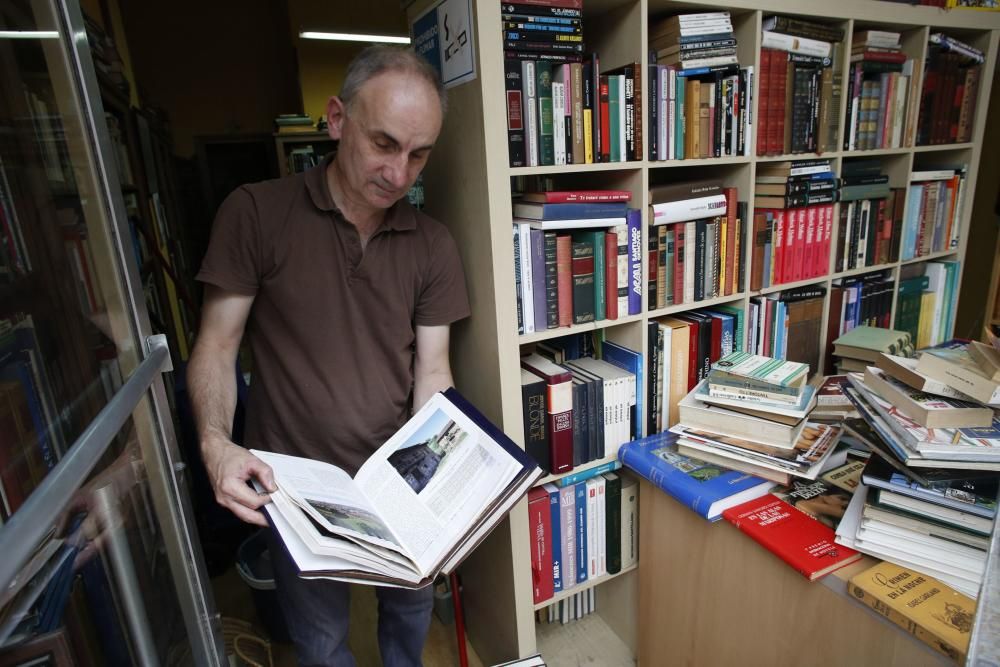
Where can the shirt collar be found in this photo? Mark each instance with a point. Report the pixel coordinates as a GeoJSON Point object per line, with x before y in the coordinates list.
{"type": "Point", "coordinates": [399, 217]}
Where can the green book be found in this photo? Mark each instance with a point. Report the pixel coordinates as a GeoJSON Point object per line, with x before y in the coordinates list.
{"type": "Point", "coordinates": [613, 521]}
{"type": "Point", "coordinates": [583, 277]}
{"type": "Point", "coordinates": [866, 343]}
{"type": "Point", "coordinates": [600, 275]}
{"type": "Point", "coordinates": [908, 304]}
{"type": "Point", "coordinates": [679, 121]}
{"type": "Point", "coordinates": [543, 92]}
{"type": "Point", "coordinates": [615, 116]}
{"type": "Point", "coordinates": [737, 314]}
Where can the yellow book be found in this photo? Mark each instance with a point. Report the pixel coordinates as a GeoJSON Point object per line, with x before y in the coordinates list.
{"type": "Point", "coordinates": [723, 230]}
{"type": "Point", "coordinates": [924, 324]}
{"type": "Point", "coordinates": [931, 611]}
{"type": "Point", "coordinates": [588, 136]}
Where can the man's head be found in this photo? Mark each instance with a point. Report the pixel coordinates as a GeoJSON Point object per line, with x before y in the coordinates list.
{"type": "Point", "coordinates": [386, 118]}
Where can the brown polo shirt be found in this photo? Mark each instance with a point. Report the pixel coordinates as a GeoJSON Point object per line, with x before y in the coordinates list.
{"type": "Point", "coordinates": [333, 327]}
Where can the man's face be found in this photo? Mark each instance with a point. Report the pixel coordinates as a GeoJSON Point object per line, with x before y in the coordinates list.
{"type": "Point", "coordinates": [386, 137]}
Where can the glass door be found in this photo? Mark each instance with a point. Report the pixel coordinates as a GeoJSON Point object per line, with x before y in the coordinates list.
{"type": "Point", "coordinates": [99, 562]}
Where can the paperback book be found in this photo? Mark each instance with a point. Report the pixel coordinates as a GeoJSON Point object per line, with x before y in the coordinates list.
{"type": "Point", "coordinates": [417, 507]}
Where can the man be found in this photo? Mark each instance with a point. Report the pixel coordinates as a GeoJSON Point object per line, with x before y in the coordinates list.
{"type": "Point", "coordinates": [347, 295]}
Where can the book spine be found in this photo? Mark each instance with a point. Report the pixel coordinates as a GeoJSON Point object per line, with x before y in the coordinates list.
{"type": "Point", "coordinates": [564, 279]}
{"type": "Point", "coordinates": [538, 286]}
{"type": "Point", "coordinates": [583, 280]}
{"type": "Point", "coordinates": [555, 538]}
{"type": "Point", "coordinates": [596, 240]}
{"type": "Point", "coordinates": [582, 553]}
{"type": "Point", "coordinates": [535, 415]}
{"type": "Point", "coordinates": [633, 219]}
{"type": "Point", "coordinates": [540, 527]}
{"type": "Point", "coordinates": [610, 243]}
{"type": "Point", "coordinates": [585, 474]}
{"type": "Point", "coordinates": [613, 531]}
{"type": "Point", "coordinates": [567, 536]}
{"type": "Point", "coordinates": [543, 89]}
{"type": "Point", "coordinates": [623, 275]}
{"type": "Point", "coordinates": [515, 113]}
{"type": "Point", "coordinates": [551, 281]}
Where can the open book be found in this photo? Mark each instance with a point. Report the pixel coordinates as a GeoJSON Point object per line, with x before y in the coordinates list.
{"type": "Point", "coordinates": [416, 508]}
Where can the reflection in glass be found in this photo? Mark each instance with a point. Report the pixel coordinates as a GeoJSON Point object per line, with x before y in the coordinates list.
{"type": "Point", "coordinates": [100, 583]}
{"type": "Point", "coordinates": [59, 361]}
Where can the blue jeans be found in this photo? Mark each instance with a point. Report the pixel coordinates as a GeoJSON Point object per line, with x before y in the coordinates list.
{"type": "Point", "coordinates": [317, 612]}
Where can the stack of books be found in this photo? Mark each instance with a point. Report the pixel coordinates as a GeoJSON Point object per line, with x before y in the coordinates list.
{"type": "Point", "coordinates": [862, 346]}
{"type": "Point", "coordinates": [575, 253]}
{"type": "Point", "coordinates": [933, 211]}
{"type": "Point", "coordinates": [693, 41]}
{"type": "Point", "coordinates": [878, 87]}
{"type": "Point", "coordinates": [793, 213]}
{"type": "Point", "coordinates": [800, 86]}
{"type": "Point", "coordinates": [751, 414]}
{"type": "Point", "coordinates": [293, 123]}
{"type": "Point", "coordinates": [701, 98]}
{"type": "Point", "coordinates": [581, 528]}
{"type": "Point", "coordinates": [695, 242]}
{"type": "Point", "coordinates": [577, 408]}
{"type": "Point", "coordinates": [952, 71]}
{"type": "Point", "coordinates": [871, 217]}
{"type": "Point", "coordinates": [786, 324]}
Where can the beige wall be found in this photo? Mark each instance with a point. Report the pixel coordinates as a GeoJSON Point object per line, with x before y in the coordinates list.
{"type": "Point", "coordinates": [215, 67]}
{"type": "Point", "coordinates": [322, 64]}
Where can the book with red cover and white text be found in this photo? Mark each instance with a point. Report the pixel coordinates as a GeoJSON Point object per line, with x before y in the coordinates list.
{"type": "Point", "coordinates": [577, 196]}
{"type": "Point", "coordinates": [799, 540]}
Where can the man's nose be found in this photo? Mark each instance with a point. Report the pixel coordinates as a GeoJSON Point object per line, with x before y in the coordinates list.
{"type": "Point", "coordinates": [395, 171]}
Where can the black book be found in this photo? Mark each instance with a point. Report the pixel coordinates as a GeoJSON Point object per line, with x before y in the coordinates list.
{"type": "Point", "coordinates": [744, 224]}
{"type": "Point", "coordinates": [595, 416]}
{"type": "Point", "coordinates": [515, 113]}
{"type": "Point", "coordinates": [653, 99]}
{"type": "Point", "coordinates": [655, 342]}
{"type": "Point", "coordinates": [533, 407]}
{"type": "Point", "coordinates": [583, 278]}
{"type": "Point", "coordinates": [613, 521]}
{"type": "Point", "coordinates": [580, 442]}
{"type": "Point", "coordinates": [539, 10]}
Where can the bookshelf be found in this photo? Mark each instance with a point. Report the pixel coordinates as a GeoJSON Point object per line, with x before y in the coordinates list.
{"type": "Point", "coordinates": [477, 208]}
{"type": "Point", "coordinates": [285, 144]}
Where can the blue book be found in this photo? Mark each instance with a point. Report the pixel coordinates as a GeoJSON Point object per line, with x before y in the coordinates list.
{"type": "Point", "coordinates": [578, 476]}
{"type": "Point", "coordinates": [555, 536]}
{"type": "Point", "coordinates": [581, 531]}
{"type": "Point", "coordinates": [634, 222]}
{"type": "Point", "coordinates": [540, 211]}
{"type": "Point", "coordinates": [728, 330]}
{"type": "Point", "coordinates": [631, 361]}
{"type": "Point", "coordinates": [537, 243]}
{"type": "Point", "coordinates": [706, 488]}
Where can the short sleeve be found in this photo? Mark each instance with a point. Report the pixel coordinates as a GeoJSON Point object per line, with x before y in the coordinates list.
{"type": "Point", "coordinates": [443, 298]}
{"type": "Point", "coordinates": [233, 260]}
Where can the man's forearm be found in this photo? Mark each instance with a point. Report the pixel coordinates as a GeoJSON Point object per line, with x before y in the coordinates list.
{"type": "Point", "coordinates": [427, 384]}
{"type": "Point", "coordinates": [212, 389]}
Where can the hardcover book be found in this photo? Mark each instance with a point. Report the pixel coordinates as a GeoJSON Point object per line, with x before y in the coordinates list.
{"type": "Point", "coordinates": [928, 609]}
{"type": "Point", "coordinates": [706, 488]}
{"type": "Point", "coordinates": [416, 508]}
{"type": "Point", "coordinates": [802, 542]}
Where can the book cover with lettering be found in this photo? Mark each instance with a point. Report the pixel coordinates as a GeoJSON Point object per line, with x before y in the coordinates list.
{"type": "Point", "coordinates": [799, 540]}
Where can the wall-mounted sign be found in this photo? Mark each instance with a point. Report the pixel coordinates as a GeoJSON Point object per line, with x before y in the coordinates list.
{"type": "Point", "coordinates": [444, 36]}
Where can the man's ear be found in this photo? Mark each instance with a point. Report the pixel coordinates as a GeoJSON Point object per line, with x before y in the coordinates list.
{"type": "Point", "coordinates": [335, 114]}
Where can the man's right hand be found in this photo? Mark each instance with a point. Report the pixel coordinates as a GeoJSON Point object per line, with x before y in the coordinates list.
{"type": "Point", "coordinates": [229, 468]}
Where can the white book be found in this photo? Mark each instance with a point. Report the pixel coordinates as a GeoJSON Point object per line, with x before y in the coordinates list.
{"type": "Point", "coordinates": [558, 120]}
{"type": "Point", "coordinates": [937, 278]}
{"type": "Point", "coordinates": [672, 113]}
{"type": "Point", "coordinates": [697, 208]}
{"type": "Point", "coordinates": [621, 232]}
{"type": "Point", "coordinates": [527, 291]}
{"type": "Point", "coordinates": [932, 175]}
{"type": "Point", "coordinates": [581, 223]}
{"type": "Point", "coordinates": [530, 105]}
{"type": "Point", "coordinates": [899, 110]}
{"type": "Point", "coordinates": [663, 112]}
{"type": "Point", "coordinates": [567, 535]}
{"type": "Point", "coordinates": [801, 45]}
{"type": "Point", "coordinates": [413, 510]}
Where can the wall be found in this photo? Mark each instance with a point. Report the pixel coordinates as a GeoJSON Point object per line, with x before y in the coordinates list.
{"type": "Point", "coordinates": [322, 64]}
{"type": "Point", "coordinates": [980, 253]}
{"type": "Point", "coordinates": [216, 67]}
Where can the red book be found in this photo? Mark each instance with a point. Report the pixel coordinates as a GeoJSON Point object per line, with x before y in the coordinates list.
{"type": "Point", "coordinates": [611, 275]}
{"type": "Point", "coordinates": [799, 243]}
{"type": "Point", "coordinates": [577, 196]}
{"type": "Point", "coordinates": [731, 263]}
{"type": "Point", "coordinates": [715, 352]}
{"type": "Point", "coordinates": [564, 278]}
{"type": "Point", "coordinates": [652, 257]}
{"type": "Point", "coordinates": [778, 245]}
{"type": "Point", "coordinates": [540, 538]}
{"type": "Point", "coordinates": [763, 102]}
{"type": "Point", "coordinates": [605, 116]}
{"type": "Point", "coordinates": [809, 258]}
{"type": "Point", "coordinates": [559, 405]}
{"type": "Point", "coordinates": [796, 538]}
{"type": "Point", "coordinates": [779, 89]}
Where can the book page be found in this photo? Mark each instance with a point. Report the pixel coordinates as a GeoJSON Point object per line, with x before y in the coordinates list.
{"type": "Point", "coordinates": [432, 480]}
{"type": "Point", "coordinates": [330, 497]}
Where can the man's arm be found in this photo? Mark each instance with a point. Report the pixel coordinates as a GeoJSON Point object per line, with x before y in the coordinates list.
{"type": "Point", "coordinates": [211, 377]}
{"type": "Point", "coordinates": [431, 368]}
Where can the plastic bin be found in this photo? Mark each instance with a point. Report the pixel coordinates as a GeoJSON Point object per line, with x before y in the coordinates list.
{"type": "Point", "coordinates": [253, 561]}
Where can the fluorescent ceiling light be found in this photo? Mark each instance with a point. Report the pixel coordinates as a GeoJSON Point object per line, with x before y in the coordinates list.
{"type": "Point", "coordinates": [354, 37]}
{"type": "Point", "coordinates": [30, 34]}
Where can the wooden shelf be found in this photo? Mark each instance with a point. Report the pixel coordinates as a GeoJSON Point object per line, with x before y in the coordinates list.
{"type": "Point", "coordinates": [929, 258]}
{"type": "Point", "coordinates": [864, 269]}
{"type": "Point", "coordinates": [549, 334]}
{"type": "Point", "coordinates": [695, 305]}
{"type": "Point", "coordinates": [590, 583]}
{"type": "Point", "coordinates": [787, 286]}
{"type": "Point", "coordinates": [709, 161]}
{"type": "Point", "coordinates": [575, 168]}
